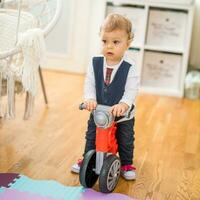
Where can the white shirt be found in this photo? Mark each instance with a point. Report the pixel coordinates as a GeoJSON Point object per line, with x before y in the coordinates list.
{"type": "Point", "coordinates": [131, 87]}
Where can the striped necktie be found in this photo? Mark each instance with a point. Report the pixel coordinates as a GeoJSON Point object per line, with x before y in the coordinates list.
{"type": "Point", "coordinates": [108, 75]}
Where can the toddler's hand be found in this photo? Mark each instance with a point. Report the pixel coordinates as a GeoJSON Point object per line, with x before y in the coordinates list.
{"type": "Point", "coordinates": [90, 105]}
{"type": "Point", "coordinates": [119, 109]}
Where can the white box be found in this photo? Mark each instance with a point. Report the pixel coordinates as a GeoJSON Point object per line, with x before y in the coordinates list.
{"type": "Point", "coordinates": [167, 28]}
{"type": "Point", "coordinates": [162, 70]}
{"type": "Point", "coordinates": [137, 17]}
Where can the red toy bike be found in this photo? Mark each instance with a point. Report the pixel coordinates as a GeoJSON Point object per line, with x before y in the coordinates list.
{"type": "Point", "coordinates": [102, 163]}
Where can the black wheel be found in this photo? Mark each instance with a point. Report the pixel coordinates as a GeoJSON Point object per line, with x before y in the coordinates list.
{"type": "Point", "coordinates": [110, 173]}
{"type": "Point", "coordinates": [87, 175]}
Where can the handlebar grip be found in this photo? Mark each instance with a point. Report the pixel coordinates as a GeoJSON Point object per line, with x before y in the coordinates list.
{"type": "Point", "coordinates": [82, 106]}
{"type": "Point", "coordinates": [129, 113]}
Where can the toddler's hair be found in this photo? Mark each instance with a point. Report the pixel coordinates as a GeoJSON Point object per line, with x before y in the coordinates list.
{"type": "Point", "coordinates": [116, 21]}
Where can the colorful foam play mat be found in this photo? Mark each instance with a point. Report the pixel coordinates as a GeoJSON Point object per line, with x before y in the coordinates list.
{"type": "Point", "coordinates": [19, 187]}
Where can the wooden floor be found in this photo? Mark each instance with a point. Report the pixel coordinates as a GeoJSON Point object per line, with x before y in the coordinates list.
{"type": "Point", "coordinates": [167, 146]}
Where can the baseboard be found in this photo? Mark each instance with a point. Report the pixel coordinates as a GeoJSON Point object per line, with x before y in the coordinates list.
{"type": "Point", "coordinates": [61, 62]}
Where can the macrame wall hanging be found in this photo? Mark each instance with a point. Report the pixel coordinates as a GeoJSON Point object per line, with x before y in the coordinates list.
{"type": "Point", "coordinates": [23, 25]}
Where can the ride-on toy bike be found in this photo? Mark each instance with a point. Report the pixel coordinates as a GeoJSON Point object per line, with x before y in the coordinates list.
{"type": "Point", "coordinates": [102, 163]}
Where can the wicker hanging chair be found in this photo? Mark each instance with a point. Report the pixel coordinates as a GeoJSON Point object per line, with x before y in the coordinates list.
{"type": "Point", "coordinates": [20, 19]}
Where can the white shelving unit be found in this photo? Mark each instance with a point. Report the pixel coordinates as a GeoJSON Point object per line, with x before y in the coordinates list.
{"type": "Point", "coordinates": [162, 41]}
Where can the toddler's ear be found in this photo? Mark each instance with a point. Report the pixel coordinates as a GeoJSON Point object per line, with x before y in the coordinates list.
{"type": "Point", "coordinates": [129, 42]}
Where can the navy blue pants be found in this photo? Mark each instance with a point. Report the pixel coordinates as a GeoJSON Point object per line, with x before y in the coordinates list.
{"type": "Point", "coordinates": [125, 138]}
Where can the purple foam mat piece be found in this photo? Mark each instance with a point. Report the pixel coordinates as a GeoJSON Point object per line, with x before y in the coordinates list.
{"type": "Point", "coordinates": [12, 194]}
{"type": "Point", "coordinates": [8, 192]}
{"type": "Point", "coordinates": [90, 194]}
{"type": "Point", "coordinates": [6, 179]}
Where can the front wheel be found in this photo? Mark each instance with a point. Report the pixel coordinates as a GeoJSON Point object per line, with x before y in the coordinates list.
{"type": "Point", "coordinates": [110, 173]}
{"type": "Point", "coordinates": [87, 175]}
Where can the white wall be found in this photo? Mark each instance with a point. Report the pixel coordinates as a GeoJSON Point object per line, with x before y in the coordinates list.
{"type": "Point", "coordinates": [68, 43]}
{"type": "Point", "coordinates": [56, 41]}
{"type": "Point", "coordinates": [97, 13]}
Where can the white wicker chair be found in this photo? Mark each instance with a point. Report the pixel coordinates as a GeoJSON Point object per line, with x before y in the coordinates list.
{"type": "Point", "coordinates": [16, 18]}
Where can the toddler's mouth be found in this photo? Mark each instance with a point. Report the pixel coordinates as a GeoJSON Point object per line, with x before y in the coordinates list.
{"type": "Point", "coordinates": [110, 54]}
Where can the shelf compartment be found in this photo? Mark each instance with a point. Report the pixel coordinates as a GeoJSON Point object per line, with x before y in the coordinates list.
{"type": "Point", "coordinates": [161, 70]}
{"type": "Point", "coordinates": [167, 28]}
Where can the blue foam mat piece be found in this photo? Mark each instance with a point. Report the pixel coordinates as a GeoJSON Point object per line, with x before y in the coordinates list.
{"type": "Point", "coordinates": [47, 188]}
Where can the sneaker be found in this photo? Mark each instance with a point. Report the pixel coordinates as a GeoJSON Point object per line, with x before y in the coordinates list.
{"type": "Point", "coordinates": [76, 167]}
{"type": "Point", "coordinates": [128, 172]}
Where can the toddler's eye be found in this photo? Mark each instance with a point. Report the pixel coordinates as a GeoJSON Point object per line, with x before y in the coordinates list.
{"type": "Point", "coordinates": [104, 41]}
{"type": "Point", "coordinates": [116, 41]}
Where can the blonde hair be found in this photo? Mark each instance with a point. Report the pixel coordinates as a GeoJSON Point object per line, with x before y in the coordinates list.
{"type": "Point", "coordinates": [116, 21]}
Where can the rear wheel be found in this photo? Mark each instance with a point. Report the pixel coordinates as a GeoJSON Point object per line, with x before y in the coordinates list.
{"type": "Point", "coordinates": [110, 174]}
{"type": "Point", "coordinates": [87, 175]}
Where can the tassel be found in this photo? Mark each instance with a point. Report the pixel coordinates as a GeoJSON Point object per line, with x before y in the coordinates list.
{"type": "Point", "coordinates": [10, 114]}
{"type": "Point", "coordinates": [29, 104]}
{"type": "Point", "coordinates": [1, 93]}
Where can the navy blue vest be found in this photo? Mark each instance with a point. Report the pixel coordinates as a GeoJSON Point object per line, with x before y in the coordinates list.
{"type": "Point", "coordinates": [111, 94]}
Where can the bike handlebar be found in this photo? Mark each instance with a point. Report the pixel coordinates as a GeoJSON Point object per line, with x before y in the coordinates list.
{"type": "Point", "coordinates": [82, 106]}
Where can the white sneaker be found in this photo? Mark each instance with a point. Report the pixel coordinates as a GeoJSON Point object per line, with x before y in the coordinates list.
{"type": "Point", "coordinates": [128, 172]}
{"type": "Point", "coordinates": [76, 167]}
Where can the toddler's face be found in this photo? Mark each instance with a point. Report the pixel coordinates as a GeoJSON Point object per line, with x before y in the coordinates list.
{"type": "Point", "coordinates": [114, 45]}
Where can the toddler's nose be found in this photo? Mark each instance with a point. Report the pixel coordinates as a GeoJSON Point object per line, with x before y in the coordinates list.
{"type": "Point", "coordinates": [109, 45]}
